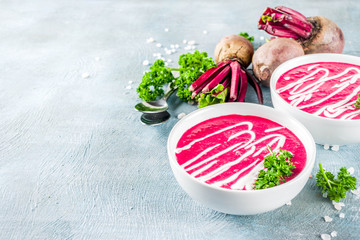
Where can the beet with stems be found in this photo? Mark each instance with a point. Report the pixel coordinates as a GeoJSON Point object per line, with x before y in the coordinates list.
{"type": "Point", "coordinates": [315, 34]}
{"type": "Point", "coordinates": [233, 54]}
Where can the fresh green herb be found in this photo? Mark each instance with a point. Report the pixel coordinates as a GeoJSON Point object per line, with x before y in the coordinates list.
{"type": "Point", "coordinates": [278, 167]}
{"type": "Point", "coordinates": [357, 104]}
{"type": "Point", "coordinates": [335, 188]}
{"type": "Point", "coordinates": [215, 96]}
{"type": "Point", "coordinates": [247, 36]}
{"type": "Point", "coordinates": [192, 66]}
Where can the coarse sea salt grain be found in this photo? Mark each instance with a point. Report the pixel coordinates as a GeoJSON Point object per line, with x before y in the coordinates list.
{"type": "Point", "coordinates": [97, 59]}
{"type": "Point", "coordinates": [177, 45]}
{"type": "Point", "coordinates": [351, 170]}
{"type": "Point", "coordinates": [205, 32]}
{"type": "Point", "coordinates": [325, 236]}
{"type": "Point", "coordinates": [158, 45]}
{"type": "Point", "coordinates": [146, 62]}
{"type": "Point", "coordinates": [326, 146]}
{"type": "Point", "coordinates": [288, 203]}
{"type": "Point", "coordinates": [325, 194]}
{"type": "Point", "coordinates": [181, 115]}
{"type": "Point", "coordinates": [169, 60]}
{"type": "Point", "coordinates": [341, 215]}
{"type": "Point", "coordinates": [166, 29]}
{"type": "Point", "coordinates": [356, 191]}
{"type": "Point", "coordinates": [130, 82]}
{"type": "Point", "coordinates": [128, 87]}
{"type": "Point", "coordinates": [262, 38]}
{"type": "Point", "coordinates": [338, 205]}
{"type": "Point", "coordinates": [328, 219]}
{"type": "Point", "coordinates": [150, 40]}
{"type": "Point", "coordinates": [333, 233]}
{"type": "Point", "coordinates": [85, 75]}
{"type": "Point", "coordinates": [335, 148]}
{"type": "Point", "coordinates": [192, 42]}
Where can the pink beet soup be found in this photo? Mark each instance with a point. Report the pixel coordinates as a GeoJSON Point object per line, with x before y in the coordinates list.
{"type": "Point", "coordinates": [325, 89]}
{"type": "Point", "coordinates": [229, 151]}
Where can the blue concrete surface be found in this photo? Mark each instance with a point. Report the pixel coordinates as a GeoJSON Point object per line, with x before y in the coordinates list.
{"type": "Point", "coordinates": [75, 161]}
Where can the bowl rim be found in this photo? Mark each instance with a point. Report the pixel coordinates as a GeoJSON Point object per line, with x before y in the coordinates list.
{"type": "Point", "coordinates": [311, 153]}
{"type": "Point", "coordinates": [288, 65]}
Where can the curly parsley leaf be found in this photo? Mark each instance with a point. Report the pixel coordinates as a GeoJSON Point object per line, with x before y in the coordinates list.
{"type": "Point", "coordinates": [217, 95]}
{"type": "Point", "coordinates": [335, 188]}
{"type": "Point", "coordinates": [192, 66]}
{"type": "Point", "coordinates": [153, 82]}
{"type": "Point", "coordinates": [357, 103]}
{"type": "Point", "coordinates": [278, 167]}
{"type": "Point", "coordinates": [247, 36]}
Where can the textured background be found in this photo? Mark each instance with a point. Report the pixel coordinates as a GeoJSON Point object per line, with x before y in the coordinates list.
{"type": "Point", "coordinates": [75, 161]}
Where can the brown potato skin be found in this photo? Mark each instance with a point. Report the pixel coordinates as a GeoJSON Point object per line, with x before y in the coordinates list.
{"type": "Point", "coordinates": [273, 53]}
{"type": "Point", "coordinates": [234, 47]}
{"type": "Point", "coordinates": [326, 37]}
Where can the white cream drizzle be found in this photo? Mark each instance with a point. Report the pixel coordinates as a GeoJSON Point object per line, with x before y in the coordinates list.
{"type": "Point", "coordinates": [252, 146]}
{"type": "Point", "coordinates": [300, 94]}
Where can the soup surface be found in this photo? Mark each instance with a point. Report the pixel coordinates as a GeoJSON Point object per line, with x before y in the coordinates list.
{"type": "Point", "coordinates": [228, 151]}
{"type": "Point", "coordinates": [325, 89]}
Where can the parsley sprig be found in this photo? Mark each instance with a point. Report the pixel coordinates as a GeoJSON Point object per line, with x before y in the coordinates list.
{"type": "Point", "coordinates": [191, 67]}
{"type": "Point", "coordinates": [278, 167]}
{"type": "Point", "coordinates": [335, 188]}
{"type": "Point", "coordinates": [357, 103]}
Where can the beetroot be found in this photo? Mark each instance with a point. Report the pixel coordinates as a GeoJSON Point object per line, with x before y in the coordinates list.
{"type": "Point", "coordinates": [315, 34]}
{"type": "Point", "coordinates": [273, 53]}
{"type": "Point", "coordinates": [232, 54]}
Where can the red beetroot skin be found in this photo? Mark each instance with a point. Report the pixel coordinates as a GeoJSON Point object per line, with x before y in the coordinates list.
{"type": "Point", "coordinates": [326, 37]}
{"type": "Point", "coordinates": [271, 54]}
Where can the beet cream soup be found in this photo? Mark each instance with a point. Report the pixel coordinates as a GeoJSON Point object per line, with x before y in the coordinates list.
{"type": "Point", "coordinates": [325, 89]}
{"type": "Point", "coordinates": [228, 151]}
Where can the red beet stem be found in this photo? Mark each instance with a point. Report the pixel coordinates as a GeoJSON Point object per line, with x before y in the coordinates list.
{"type": "Point", "coordinates": [278, 31]}
{"type": "Point", "coordinates": [290, 12]}
{"type": "Point", "coordinates": [235, 75]}
{"type": "Point", "coordinates": [206, 75]}
{"type": "Point", "coordinates": [275, 20]}
{"type": "Point", "coordinates": [226, 82]}
{"type": "Point", "coordinates": [217, 79]}
{"type": "Point", "coordinates": [243, 86]}
{"type": "Point", "coordinates": [292, 20]}
{"type": "Point", "coordinates": [256, 86]}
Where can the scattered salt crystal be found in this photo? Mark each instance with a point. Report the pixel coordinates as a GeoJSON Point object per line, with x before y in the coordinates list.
{"type": "Point", "coordinates": [181, 115]}
{"type": "Point", "coordinates": [169, 60]}
{"type": "Point", "coordinates": [166, 29]}
{"type": "Point", "coordinates": [204, 32]}
{"type": "Point", "coordinates": [130, 82]}
{"type": "Point", "coordinates": [184, 41]}
{"type": "Point", "coordinates": [351, 170]}
{"type": "Point", "coordinates": [162, 58]}
{"type": "Point", "coordinates": [166, 49]}
{"type": "Point", "coordinates": [85, 75]}
{"type": "Point", "coordinates": [177, 46]}
{"type": "Point", "coordinates": [173, 50]}
{"type": "Point", "coordinates": [97, 59]}
{"type": "Point", "coordinates": [128, 87]}
{"type": "Point", "coordinates": [262, 38]}
{"type": "Point", "coordinates": [166, 64]}
{"type": "Point", "coordinates": [333, 234]}
{"type": "Point", "coordinates": [326, 146]}
{"type": "Point", "coordinates": [328, 219]}
{"type": "Point", "coordinates": [193, 47]}
{"type": "Point", "coordinates": [325, 236]}
{"type": "Point", "coordinates": [158, 45]}
{"type": "Point", "coordinates": [356, 191]}
{"type": "Point", "coordinates": [335, 148]}
{"type": "Point", "coordinates": [288, 203]}
{"type": "Point", "coordinates": [172, 46]}
{"type": "Point", "coordinates": [338, 205]}
{"type": "Point", "coordinates": [192, 42]}
{"type": "Point", "coordinates": [150, 40]}
{"type": "Point", "coordinates": [146, 62]}
{"type": "Point", "coordinates": [187, 47]}
{"type": "Point", "coordinates": [341, 215]}
{"type": "Point", "coordinates": [168, 52]}
{"type": "Point", "coordinates": [325, 194]}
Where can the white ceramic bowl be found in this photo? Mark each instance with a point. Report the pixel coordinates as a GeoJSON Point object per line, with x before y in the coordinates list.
{"type": "Point", "coordinates": [324, 130]}
{"type": "Point", "coordinates": [241, 202]}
